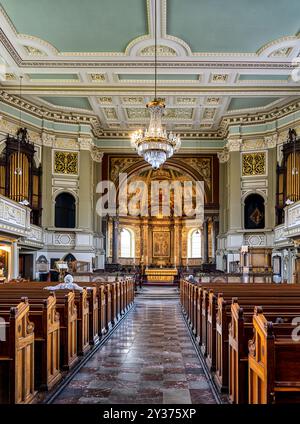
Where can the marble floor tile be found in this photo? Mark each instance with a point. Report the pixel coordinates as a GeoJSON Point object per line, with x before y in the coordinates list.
{"type": "Point", "coordinates": [149, 359]}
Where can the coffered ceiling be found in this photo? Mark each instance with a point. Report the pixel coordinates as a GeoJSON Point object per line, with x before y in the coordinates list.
{"type": "Point", "coordinates": [96, 57]}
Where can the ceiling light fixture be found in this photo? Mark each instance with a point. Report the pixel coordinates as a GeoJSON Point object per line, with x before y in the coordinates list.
{"type": "Point", "coordinates": [155, 144]}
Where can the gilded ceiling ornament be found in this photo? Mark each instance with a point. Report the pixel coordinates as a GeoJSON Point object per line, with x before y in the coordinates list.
{"type": "Point", "coordinates": [111, 113]}
{"type": "Point", "coordinates": [33, 51]}
{"type": "Point", "coordinates": [66, 162]}
{"type": "Point", "coordinates": [283, 52]}
{"type": "Point", "coordinates": [212, 100]}
{"type": "Point", "coordinates": [253, 164]}
{"type": "Point", "coordinates": [137, 113]}
{"type": "Point", "coordinates": [133, 100]}
{"type": "Point", "coordinates": [10, 76]}
{"type": "Point", "coordinates": [161, 51]}
{"type": "Point", "coordinates": [105, 100]}
{"type": "Point", "coordinates": [220, 77]}
{"type": "Point", "coordinates": [209, 113]}
{"type": "Point", "coordinates": [186, 100]}
{"type": "Point", "coordinates": [181, 113]}
{"type": "Point", "coordinates": [98, 77]}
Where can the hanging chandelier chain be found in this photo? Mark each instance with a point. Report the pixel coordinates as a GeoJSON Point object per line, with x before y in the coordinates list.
{"type": "Point", "coordinates": [155, 48]}
{"type": "Point", "coordinates": [21, 79]}
{"type": "Point", "coordinates": [155, 144]}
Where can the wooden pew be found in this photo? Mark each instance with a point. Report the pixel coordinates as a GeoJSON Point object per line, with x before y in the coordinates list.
{"type": "Point", "coordinates": [66, 307]}
{"type": "Point", "coordinates": [214, 327]}
{"type": "Point", "coordinates": [43, 315]}
{"type": "Point", "coordinates": [274, 362]}
{"type": "Point", "coordinates": [218, 318]}
{"type": "Point", "coordinates": [240, 332]}
{"type": "Point", "coordinates": [208, 311]}
{"type": "Point", "coordinates": [17, 354]}
{"type": "Point", "coordinates": [82, 310]}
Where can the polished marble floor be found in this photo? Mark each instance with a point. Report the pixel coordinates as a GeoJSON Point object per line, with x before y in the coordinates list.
{"type": "Point", "coordinates": [149, 359]}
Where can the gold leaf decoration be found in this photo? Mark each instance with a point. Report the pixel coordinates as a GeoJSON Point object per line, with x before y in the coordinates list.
{"type": "Point", "coordinates": [65, 162]}
{"type": "Point", "coordinates": [254, 164]}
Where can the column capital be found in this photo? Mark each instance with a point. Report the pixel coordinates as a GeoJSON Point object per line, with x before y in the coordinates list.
{"type": "Point", "coordinates": [271, 141]}
{"type": "Point", "coordinates": [223, 156]}
{"type": "Point", "coordinates": [85, 143]}
{"type": "Point", "coordinates": [234, 144]}
{"type": "Point", "coordinates": [47, 139]}
{"type": "Point", "coordinates": [97, 154]}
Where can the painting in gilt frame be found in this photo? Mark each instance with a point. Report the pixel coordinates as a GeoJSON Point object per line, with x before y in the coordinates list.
{"type": "Point", "coordinates": [161, 244]}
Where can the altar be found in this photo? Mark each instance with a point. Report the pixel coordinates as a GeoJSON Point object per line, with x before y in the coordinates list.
{"type": "Point", "coordinates": [161, 275]}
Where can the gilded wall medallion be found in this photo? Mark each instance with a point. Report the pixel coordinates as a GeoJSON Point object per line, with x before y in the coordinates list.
{"type": "Point", "coordinates": [65, 162]}
{"type": "Point", "coordinates": [254, 164]}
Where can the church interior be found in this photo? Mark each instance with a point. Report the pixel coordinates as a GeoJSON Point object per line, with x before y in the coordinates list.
{"type": "Point", "coordinates": [149, 202]}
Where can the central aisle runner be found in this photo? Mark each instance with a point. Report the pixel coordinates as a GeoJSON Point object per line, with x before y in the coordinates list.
{"type": "Point", "coordinates": [149, 359]}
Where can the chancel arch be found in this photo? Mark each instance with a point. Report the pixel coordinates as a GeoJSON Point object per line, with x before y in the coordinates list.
{"type": "Point", "coordinates": [162, 229]}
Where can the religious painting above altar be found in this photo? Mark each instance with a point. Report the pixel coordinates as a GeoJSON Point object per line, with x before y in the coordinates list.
{"type": "Point", "coordinates": [161, 244]}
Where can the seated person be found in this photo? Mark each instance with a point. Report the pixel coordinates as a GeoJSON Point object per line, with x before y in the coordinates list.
{"type": "Point", "coordinates": [68, 284]}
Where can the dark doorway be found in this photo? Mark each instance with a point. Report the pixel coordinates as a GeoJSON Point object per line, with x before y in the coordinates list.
{"type": "Point", "coordinates": [26, 266]}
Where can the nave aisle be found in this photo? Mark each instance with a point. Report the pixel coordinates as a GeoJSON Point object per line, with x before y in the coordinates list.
{"type": "Point", "coordinates": [148, 359]}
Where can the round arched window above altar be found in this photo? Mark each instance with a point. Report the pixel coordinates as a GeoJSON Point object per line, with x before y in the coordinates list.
{"type": "Point", "coordinates": [194, 244]}
{"type": "Point", "coordinates": [127, 243]}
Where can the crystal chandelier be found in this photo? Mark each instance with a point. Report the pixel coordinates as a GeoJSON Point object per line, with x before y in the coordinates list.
{"type": "Point", "coordinates": [155, 144]}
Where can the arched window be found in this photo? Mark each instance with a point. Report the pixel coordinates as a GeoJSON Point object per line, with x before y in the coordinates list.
{"type": "Point", "coordinates": [254, 212]}
{"type": "Point", "coordinates": [65, 211]}
{"type": "Point", "coordinates": [194, 245]}
{"type": "Point", "coordinates": [127, 243]}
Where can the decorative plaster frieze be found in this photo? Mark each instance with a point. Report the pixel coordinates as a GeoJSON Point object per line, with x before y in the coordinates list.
{"type": "Point", "coordinates": [35, 234]}
{"type": "Point", "coordinates": [65, 143]}
{"type": "Point", "coordinates": [14, 215]}
{"type": "Point", "coordinates": [249, 145]}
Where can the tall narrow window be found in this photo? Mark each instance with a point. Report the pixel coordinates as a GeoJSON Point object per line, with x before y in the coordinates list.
{"type": "Point", "coordinates": [65, 211]}
{"type": "Point", "coordinates": [195, 244]}
{"type": "Point", "coordinates": [127, 243]}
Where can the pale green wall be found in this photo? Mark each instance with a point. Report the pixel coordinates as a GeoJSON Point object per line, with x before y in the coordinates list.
{"type": "Point", "coordinates": [234, 191]}
{"type": "Point", "coordinates": [47, 204]}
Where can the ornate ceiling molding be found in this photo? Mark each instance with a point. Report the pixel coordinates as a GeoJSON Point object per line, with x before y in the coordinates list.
{"type": "Point", "coordinates": [100, 132]}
